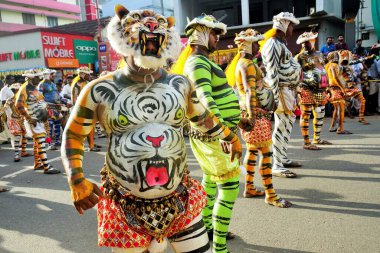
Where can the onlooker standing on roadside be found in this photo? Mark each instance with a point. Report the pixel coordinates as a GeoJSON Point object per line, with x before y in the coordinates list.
{"type": "Point", "coordinates": [5, 94]}
{"type": "Point", "coordinates": [359, 50]}
{"type": "Point", "coordinates": [374, 74]}
{"type": "Point", "coordinates": [328, 47]}
{"type": "Point", "coordinates": [341, 45]}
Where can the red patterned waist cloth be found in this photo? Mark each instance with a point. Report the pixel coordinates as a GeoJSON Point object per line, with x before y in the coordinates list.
{"type": "Point", "coordinates": [125, 221]}
{"type": "Point", "coordinates": [261, 134]}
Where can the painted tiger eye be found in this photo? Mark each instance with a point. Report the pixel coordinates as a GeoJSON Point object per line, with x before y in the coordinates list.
{"type": "Point", "coordinates": [122, 120]}
{"type": "Point", "coordinates": [136, 16]}
{"type": "Point", "coordinates": [179, 113]}
{"type": "Point", "coordinates": [161, 21]}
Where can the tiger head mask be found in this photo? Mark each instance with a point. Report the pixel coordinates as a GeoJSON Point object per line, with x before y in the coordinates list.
{"type": "Point", "coordinates": [148, 37]}
{"type": "Point", "coordinates": [245, 39]}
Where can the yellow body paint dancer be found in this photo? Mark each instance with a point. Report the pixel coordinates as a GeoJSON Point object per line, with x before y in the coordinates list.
{"type": "Point", "coordinates": [312, 90]}
{"type": "Point", "coordinates": [248, 78]}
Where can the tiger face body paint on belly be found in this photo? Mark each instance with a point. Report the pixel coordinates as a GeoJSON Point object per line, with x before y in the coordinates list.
{"type": "Point", "coordinates": [147, 151]}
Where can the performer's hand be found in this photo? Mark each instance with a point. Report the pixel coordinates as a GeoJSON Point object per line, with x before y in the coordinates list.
{"type": "Point", "coordinates": [246, 124]}
{"type": "Point", "coordinates": [225, 146]}
{"type": "Point", "coordinates": [32, 122]}
{"type": "Point", "coordinates": [90, 201]}
{"type": "Point", "coordinates": [236, 150]}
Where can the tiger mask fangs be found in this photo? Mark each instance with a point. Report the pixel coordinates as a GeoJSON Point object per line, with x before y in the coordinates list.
{"type": "Point", "coordinates": [148, 37]}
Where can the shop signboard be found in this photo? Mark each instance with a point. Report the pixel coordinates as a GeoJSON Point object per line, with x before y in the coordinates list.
{"type": "Point", "coordinates": [86, 51]}
{"type": "Point", "coordinates": [108, 58]}
{"type": "Point", "coordinates": [16, 57]}
{"type": "Point", "coordinates": [102, 48]}
{"type": "Point", "coordinates": [62, 63]}
{"type": "Point", "coordinates": [60, 46]}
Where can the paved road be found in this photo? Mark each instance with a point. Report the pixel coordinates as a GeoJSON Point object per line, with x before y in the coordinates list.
{"type": "Point", "coordinates": [336, 202]}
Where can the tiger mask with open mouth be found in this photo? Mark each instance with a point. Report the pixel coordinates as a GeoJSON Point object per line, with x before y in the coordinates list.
{"type": "Point", "coordinates": [147, 36]}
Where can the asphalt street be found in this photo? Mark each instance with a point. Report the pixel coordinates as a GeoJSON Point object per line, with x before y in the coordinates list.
{"type": "Point", "coordinates": [336, 201]}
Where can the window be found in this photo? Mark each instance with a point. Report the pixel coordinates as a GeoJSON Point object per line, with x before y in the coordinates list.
{"type": "Point", "coordinates": [52, 21]}
{"type": "Point", "coordinates": [0, 16]}
{"type": "Point", "coordinates": [28, 19]}
{"type": "Point", "coordinates": [256, 12]}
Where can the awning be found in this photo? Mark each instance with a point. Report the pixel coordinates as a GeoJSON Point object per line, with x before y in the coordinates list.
{"type": "Point", "coordinates": [18, 72]}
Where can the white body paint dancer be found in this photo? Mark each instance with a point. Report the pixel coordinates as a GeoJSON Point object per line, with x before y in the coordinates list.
{"type": "Point", "coordinates": [282, 76]}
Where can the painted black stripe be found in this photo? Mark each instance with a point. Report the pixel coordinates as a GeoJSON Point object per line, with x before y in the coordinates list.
{"type": "Point", "coordinates": [188, 230]}
{"type": "Point", "coordinates": [202, 249]}
{"type": "Point", "coordinates": [84, 112]}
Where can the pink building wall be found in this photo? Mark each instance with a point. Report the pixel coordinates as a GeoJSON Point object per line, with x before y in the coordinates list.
{"type": "Point", "coordinates": [50, 4]}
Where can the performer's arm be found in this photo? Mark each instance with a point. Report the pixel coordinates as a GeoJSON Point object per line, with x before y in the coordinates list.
{"type": "Point", "coordinates": [210, 124]}
{"type": "Point", "coordinates": [78, 127]}
{"type": "Point", "coordinates": [201, 77]}
{"type": "Point", "coordinates": [74, 93]}
{"type": "Point", "coordinates": [41, 87]}
{"type": "Point", "coordinates": [248, 73]}
{"type": "Point", "coordinates": [271, 54]}
{"type": "Point", "coordinates": [21, 104]}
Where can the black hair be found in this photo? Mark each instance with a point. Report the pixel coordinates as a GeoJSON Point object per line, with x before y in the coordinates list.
{"type": "Point", "coordinates": [341, 35]}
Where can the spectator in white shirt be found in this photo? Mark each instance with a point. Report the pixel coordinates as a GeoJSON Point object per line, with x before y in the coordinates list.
{"type": "Point", "coordinates": [6, 93]}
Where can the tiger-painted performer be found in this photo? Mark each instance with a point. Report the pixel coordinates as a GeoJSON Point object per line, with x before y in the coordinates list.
{"type": "Point", "coordinates": [31, 105]}
{"type": "Point", "coordinates": [282, 76]}
{"type": "Point", "coordinates": [79, 82]}
{"type": "Point", "coordinates": [312, 90]}
{"type": "Point", "coordinates": [337, 91]}
{"type": "Point", "coordinates": [248, 78]}
{"type": "Point", "coordinates": [220, 174]}
{"type": "Point", "coordinates": [351, 88]}
{"type": "Point", "coordinates": [50, 92]}
{"type": "Point", "coordinates": [16, 126]}
{"type": "Point", "coordinates": [148, 195]}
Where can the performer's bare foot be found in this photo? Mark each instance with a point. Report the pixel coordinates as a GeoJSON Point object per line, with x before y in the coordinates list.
{"type": "Point", "coordinates": [253, 192]}
{"type": "Point", "coordinates": [311, 147]}
{"type": "Point", "coordinates": [3, 189]}
{"type": "Point", "coordinates": [292, 164]}
{"type": "Point", "coordinates": [322, 142]}
{"type": "Point", "coordinates": [343, 132]}
{"type": "Point", "coordinates": [38, 166]}
{"type": "Point", "coordinates": [284, 174]}
{"type": "Point", "coordinates": [279, 202]}
{"type": "Point", "coordinates": [363, 121]}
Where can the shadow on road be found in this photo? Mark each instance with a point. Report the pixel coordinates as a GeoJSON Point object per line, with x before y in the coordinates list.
{"type": "Point", "coordinates": [258, 248]}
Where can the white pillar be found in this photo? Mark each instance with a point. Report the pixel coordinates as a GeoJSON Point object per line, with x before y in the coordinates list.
{"type": "Point", "coordinates": [178, 15]}
{"type": "Point", "coordinates": [245, 12]}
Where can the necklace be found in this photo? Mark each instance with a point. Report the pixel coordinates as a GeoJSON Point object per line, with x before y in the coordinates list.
{"type": "Point", "coordinates": [146, 76]}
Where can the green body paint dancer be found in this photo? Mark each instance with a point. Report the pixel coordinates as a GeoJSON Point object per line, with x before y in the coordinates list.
{"type": "Point", "coordinates": [220, 174]}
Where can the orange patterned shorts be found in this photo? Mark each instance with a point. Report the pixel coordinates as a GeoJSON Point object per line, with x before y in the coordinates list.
{"type": "Point", "coordinates": [307, 97]}
{"type": "Point", "coordinates": [320, 97]}
{"type": "Point", "coordinates": [352, 92]}
{"type": "Point", "coordinates": [114, 231]}
{"type": "Point", "coordinates": [336, 95]}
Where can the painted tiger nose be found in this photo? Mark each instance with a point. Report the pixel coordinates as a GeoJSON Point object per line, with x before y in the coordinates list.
{"type": "Point", "coordinates": [152, 25]}
{"type": "Point", "coordinates": [156, 141]}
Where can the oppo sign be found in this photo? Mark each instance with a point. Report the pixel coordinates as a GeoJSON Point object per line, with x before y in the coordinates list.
{"type": "Point", "coordinates": [86, 48]}
{"type": "Point", "coordinates": [86, 51]}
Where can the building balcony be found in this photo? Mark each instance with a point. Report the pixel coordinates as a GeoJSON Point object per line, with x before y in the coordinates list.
{"type": "Point", "coordinates": [39, 11]}
{"type": "Point", "coordinates": [8, 28]}
{"type": "Point", "coordinates": [46, 4]}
